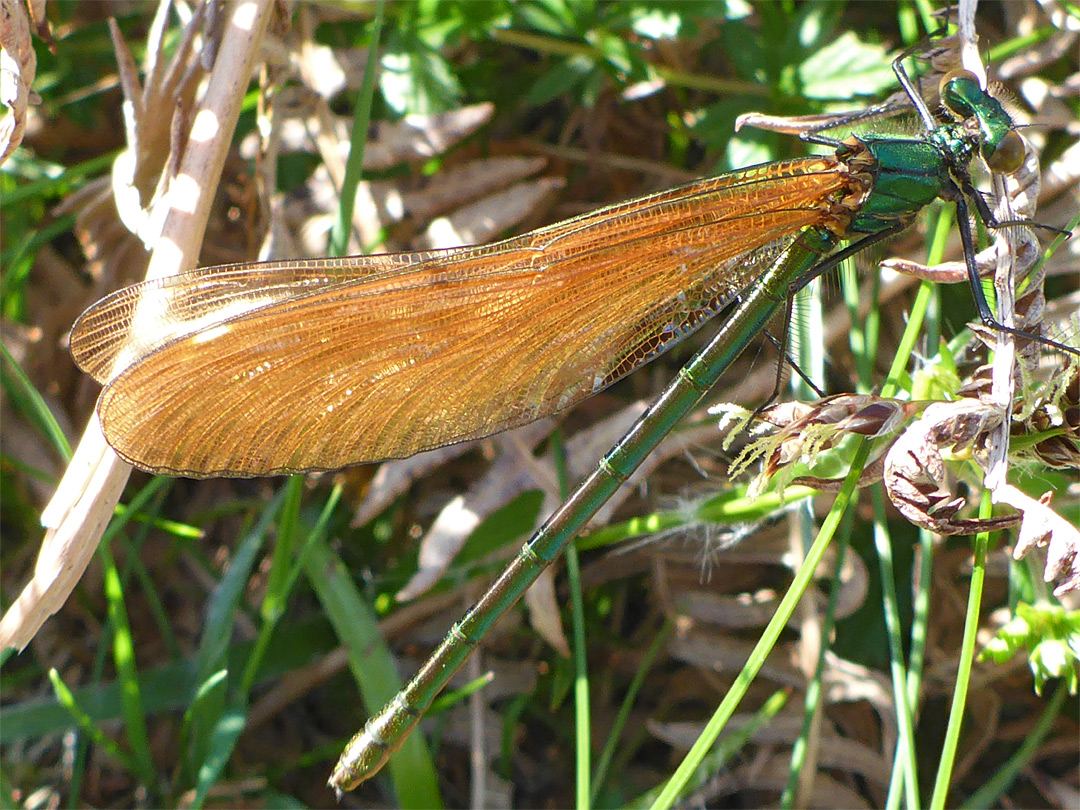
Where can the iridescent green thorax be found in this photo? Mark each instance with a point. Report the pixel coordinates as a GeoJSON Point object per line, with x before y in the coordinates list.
{"type": "Point", "coordinates": [906, 175]}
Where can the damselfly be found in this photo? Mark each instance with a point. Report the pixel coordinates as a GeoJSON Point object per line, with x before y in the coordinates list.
{"type": "Point", "coordinates": [286, 367]}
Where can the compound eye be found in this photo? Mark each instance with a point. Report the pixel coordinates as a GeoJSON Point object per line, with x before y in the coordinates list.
{"type": "Point", "coordinates": [956, 75]}
{"type": "Point", "coordinates": [1008, 156]}
{"type": "Point", "coordinates": [952, 96]}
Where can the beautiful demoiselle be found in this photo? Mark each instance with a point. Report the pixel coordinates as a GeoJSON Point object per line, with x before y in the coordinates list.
{"type": "Point", "coordinates": [285, 367]}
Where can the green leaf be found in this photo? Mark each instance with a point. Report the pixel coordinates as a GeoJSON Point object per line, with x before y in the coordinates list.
{"type": "Point", "coordinates": [845, 69]}
{"type": "Point", "coordinates": [416, 80]}
{"type": "Point", "coordinates": [550, 16]}
{"type": "Point", "coordinates": [747, 151]}
{"type": "Point", "coordinates": [1049, 634]}
{"type": "Point", "coordinates": [560, 79]}
{"type": "Point", "coordinates": [615, 50]}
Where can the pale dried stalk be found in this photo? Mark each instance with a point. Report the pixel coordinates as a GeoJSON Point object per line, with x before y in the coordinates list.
{"type": "Point", "coordinates": [84, 502]}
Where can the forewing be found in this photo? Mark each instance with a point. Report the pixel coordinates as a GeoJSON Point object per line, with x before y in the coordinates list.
{"type": "Point", "coordinates": [457, 345]}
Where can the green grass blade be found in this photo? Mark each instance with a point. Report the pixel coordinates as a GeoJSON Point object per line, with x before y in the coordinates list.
{"type": "Point", "coordinates": [225, 733]}
{"type": "Point", "coordinates": [606, 756]}
{"type": "Point", "coordinates": [583, 724]}
{"type": "Point", "coordinates": [127, 670]}
{"type": "Point", "coordinates": [579, 645]}
{"type": "Point", "coordinates": [724, 751]}
{"type": "Point", "coordinates": [372, 666]}
{"type": "Point", "coordinates": [86, 723]}
{"type": "Point", "coordinates": [814, 692]}
{"type": "Point", "coordinates": [906, 745]}
{"type": "Point", "coordinates": [203, 723]}
{"type": "Point", "coordinates": [278, 590]}
{"type": "Point", "coordinates": [967, 657]}
{"type": "Point", "coordinates": [339, 238]}
{"type": "Point", "coordinates": [25, 398]}
{"type": "Point", "coordinates": [989, 795]}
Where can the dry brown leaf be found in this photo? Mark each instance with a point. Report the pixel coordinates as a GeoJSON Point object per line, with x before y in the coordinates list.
{"type": "Point", "coordinates": [481, 221]}
{"type": "Point", "coordinates": [469, 181]}
{"type": "Point", "coordinates": [915, 473]}
{"type": "Point", "coordinates": [1042, 527]}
